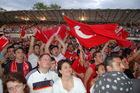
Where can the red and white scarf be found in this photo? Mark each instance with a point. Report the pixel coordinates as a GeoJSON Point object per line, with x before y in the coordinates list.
{"type": "Point", "coordinates": [25, 67]}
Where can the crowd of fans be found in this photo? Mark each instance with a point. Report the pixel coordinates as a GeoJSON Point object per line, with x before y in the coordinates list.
{"type": "Point", "coordinates": [65, 66]}
{"type": "Point", "coordinates": [14, 28]}
{"type": "Point", "coordinates": [29, 28]}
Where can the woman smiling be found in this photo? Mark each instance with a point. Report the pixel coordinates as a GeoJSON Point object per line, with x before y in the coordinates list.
{"type": "Point", "coordinates": [67, 83]}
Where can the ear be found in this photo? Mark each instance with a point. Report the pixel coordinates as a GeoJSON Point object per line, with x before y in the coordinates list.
{"type": "Point", "coordinates": [94, 58]}
{"type": "Point", "coordinates": [109, 68]}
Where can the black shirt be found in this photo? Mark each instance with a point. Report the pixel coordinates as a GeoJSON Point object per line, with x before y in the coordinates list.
{"type": "Point", "coordinates": [19, 67]}
{"type": "Point", "coordinates": [129, 74]}
{"type": "Point", "coordinates": [7, 62]}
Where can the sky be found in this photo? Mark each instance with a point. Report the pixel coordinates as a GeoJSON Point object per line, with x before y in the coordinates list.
{"type": "Point", "coordinates": [11, 5]}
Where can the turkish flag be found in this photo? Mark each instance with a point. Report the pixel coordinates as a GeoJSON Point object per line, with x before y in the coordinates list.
{"type": "Point", "coordinates": [108, 30]}
{"type": "Point", "coordinates": [40, 35]}
{"type": "Point", "coordinates": [84, 34]}
{"type": "Point", "coordinates": [121, 33]}
{"type": "Point", "coordinates": [60, 31]}
{"type": "Point", "coordinates": [3, 42]}
{"type": "Point", "coordinates": [23, 31]}
{"type": "Point", "coordinates": [94, 35]}
{"type": "Point", "coordinates": [125, 34]}
{"type": "Point", "coordinates": [46, 34]}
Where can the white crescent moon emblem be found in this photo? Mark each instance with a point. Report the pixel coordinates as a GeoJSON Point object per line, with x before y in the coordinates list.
{"type": "Point", "coordinates": [80, 34]}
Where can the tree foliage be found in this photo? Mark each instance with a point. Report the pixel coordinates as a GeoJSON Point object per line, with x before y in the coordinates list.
{"type": "Point", "coordinates": [54, 6]}
{"type": "Point", "coordinates": [1, 9]}
{"type": "Point", "coordinates": [41, 6]}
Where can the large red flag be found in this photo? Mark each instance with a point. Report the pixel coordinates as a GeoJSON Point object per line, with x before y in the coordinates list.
{"type": "Point", "coordinates": [3, 42]}
{"type": "Point", "coordinates": [46, 34]}
{"type": "Point", "coordinates": [93, 35]}
{"type": "Point", "coordinates": [60, 31]}
{"type": "Point", "coordinates": [23, 31]}
{"type": "Point", "coordinates": [40, 35]}
{"type": "Point", "coordinates": [121, 33]}
{"type": "Point", "coordinates": [84, 34]}
{"type": "Point", "coordinates": [108, 30]}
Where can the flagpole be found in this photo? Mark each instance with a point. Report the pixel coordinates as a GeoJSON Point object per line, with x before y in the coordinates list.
{"type": "Point", "coordinates": [80, 45]}
{"type": "Point", "coordinates": [77, 41]}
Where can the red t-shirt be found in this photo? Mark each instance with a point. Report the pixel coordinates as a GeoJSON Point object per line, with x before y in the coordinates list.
{"type": "Point", "coordinates": [89, 57]}
{"type": "Point", "coordinates": [93, 74]}
{"type": "Point", "coordinates": [76, 66]}
{"type": "Point", "coordinates": [70, 56]}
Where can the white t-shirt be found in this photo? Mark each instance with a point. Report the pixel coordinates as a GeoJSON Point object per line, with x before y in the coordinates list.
{"type": "Point", "coordinates": [1, 89]}
{"type": "Point", "coordinates": [59, 57]}
{"type": "Point", "coordinates": [40, 82]}
{"type": "Point", "coordinates": [78, 87]}
{"type": "Point", "coordinates": [91, 89]}
{"type": "Point", "coordinates": [33, 59]}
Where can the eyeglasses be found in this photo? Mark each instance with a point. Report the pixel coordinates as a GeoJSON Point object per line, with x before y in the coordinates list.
{"type": "Point", "coordinates": [16, 87]}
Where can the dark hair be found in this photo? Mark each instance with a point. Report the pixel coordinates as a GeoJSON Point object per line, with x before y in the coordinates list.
{"type": "Point", "coordinates": [52, 59]}
{"type": "Point", "coordinates": [91, 61]}
{"type": "Point", "coordinates": [15, 76]}
{"type": "Point", "coordinates": [92, 48]}
{"type": "Point", "coordinates": [43, 55]}
{"type": "Point", "coordinates": [16, 48]}
{"type": "Point", "coordinates": [108, 61]}
{"type": "Point", "coordinates": [121, 57]}
{"type": "Point", "coordinates": [95, 54]}
{"type": "Point", "coordinates": [60, 63]}
{"type": "Point", "coordinates": [52, 46]}
{"type": "Point", "coordinates": [36, 45]}
{"type": "Point", "coordinates": [126, 52]}
{"type": "Point", "coordinates": [15, 44]}
{"type": "Point", "coordinates": [9, 48]}
{"type": "Point", "coordinates": [97, 66]}
{"type": "Point", "coordinates": [114, 54]}
{"type": "Point", "coordinates": [70, 44]}
{"type": "Point", "coordinates": [78, 52]}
